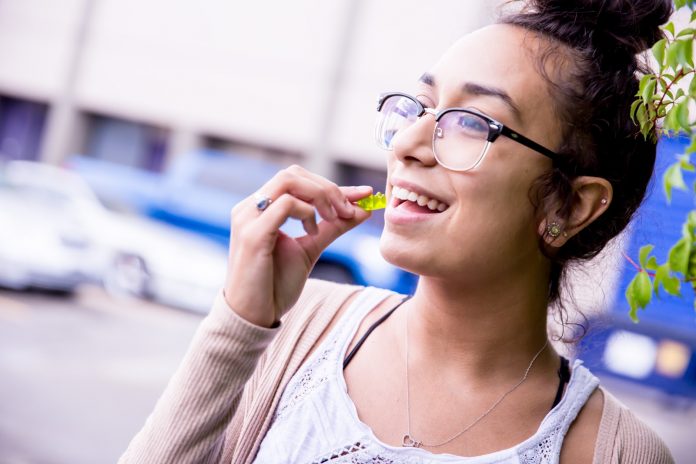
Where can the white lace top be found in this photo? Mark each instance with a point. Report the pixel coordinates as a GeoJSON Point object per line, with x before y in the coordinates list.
{"type": "Point", "coordinates": [316, 421]}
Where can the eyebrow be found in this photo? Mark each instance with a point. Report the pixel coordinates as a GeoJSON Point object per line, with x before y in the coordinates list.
{"type": "Point", "coordinates": [473, 88]}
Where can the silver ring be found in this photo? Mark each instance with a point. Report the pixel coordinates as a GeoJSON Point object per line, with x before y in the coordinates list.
{"type": "Point", "coordinates": [262, 201]}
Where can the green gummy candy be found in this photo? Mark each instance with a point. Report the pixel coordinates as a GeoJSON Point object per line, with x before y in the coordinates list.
{"type": "Point", "coordinates": [373, 202]}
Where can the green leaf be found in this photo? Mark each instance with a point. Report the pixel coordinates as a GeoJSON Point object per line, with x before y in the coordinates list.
{"type": "Point", "coordinates": [673, 54]}
{"type": "Point", "coordinates": [686, 52]}
{"type": "Point", "coordinates": [649, 90]}
{"type": "Point", "coordinates": [639, 293]}
{"type": "Point", "coordinates": [692, 87]}
{"type": "Point", "coordinates": [644, 253]}
{"type": "Point", "coordinates": [679, 3]}
{"type": "Point", "coordinates": [670, 122]}
{"type": "Point", "coordinates": [631, 298]}
{"type": "Point", "coordinates": [642, 83]}
{"type": "Point", "coordinates": [642, 116]}
{"type": "Point", "coordinates": [693, 17]}
{"type": "Point", "coordinates": [686, 166]}
{"type": "Point", "coordinates": [691, 224]}
{"type": "Point", "coordinates": [660, 273]}
{"type": "Point", "coordinates": [683, 115]}
{"type": "Point", "coordinates": [643, 289]}
{"type": "Point", "coordinates": [692, 146]}
{"type": "Point", "coordinates": [672, 285]}
{"type": "Point", "coordinates": [687, 31]}
{"type": "Point", "coordinates": [669, 27]}
{"type": "Point", "coordinates": [634, 107]}
{"type": "Point", "coordinates": [658, 50]}
{"type": "Point", "coordinates": [679, 255]}
{"type": "Point", "coordinates": [652, 264]}
{"type": "Point", "coordinates": [672, 179]}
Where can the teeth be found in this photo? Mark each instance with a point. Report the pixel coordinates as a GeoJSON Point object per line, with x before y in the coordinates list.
{"type": "Point", "coordinates": [401, 194]}
{"type": "Point", "coordinates": [421, 200]}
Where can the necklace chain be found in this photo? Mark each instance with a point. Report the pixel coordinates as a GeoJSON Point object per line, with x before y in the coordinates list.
{"type": "Point", "coordinates": [408, 439]}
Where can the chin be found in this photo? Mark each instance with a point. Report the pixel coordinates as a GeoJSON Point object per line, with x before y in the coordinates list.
{"type": "Point", "coordinates": [402, 254]}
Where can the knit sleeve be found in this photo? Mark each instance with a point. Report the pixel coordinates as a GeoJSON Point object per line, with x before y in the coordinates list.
{"type": "Point", "coordinates": [624, 439]}
{"type": "Point", "coordinates": [189, 420]}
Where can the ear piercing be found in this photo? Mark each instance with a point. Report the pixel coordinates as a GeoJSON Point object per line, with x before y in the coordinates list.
{"type": "Point", "coordinates": [603, 201]}
{"type": "Point", "coordinates": [553, 229]}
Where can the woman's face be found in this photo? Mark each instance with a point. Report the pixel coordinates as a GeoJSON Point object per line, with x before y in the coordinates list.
{"type": "Point", "coordinates": [489, 227]}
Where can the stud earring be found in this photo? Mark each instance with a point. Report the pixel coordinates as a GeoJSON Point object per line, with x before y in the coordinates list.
{"type": "Point", "coordinates": [553, 229]}
{"type": "Point", "coordinates": [603, 201]}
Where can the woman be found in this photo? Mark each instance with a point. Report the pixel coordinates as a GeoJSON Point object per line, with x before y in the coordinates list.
{"type": "Point", "coordinates": [514, 156]}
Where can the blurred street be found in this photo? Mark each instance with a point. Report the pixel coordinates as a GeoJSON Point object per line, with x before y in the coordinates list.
{"type": "Point", "coordinates": [80, 374]}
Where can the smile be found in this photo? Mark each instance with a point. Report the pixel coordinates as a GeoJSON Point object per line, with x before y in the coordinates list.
{"type": "Point", "coordinates": [405, 195]}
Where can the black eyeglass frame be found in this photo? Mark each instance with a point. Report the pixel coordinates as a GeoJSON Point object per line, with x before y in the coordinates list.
{"type": "Point", "coordinates": [495, 128]}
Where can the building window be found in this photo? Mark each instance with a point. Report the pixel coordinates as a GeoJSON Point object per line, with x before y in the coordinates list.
{"type": "Point", "coordinates": [21, 128]}
{"type": "Point", "coordinates": [271, 154]}
{"type": "Point", "coordinates": [126, 142]}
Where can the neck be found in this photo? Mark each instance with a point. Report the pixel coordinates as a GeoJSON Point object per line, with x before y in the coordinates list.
{"type": "Point", "coordinates": [479, 333]}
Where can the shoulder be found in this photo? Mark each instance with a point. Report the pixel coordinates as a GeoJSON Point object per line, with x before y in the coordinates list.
{"type": "Point", "coordinates": [583, 430]}
{"type": "Point", "coordinates": [624, 438]}
{"type": "Point", "coordinates": [341, 298]}
{"type": "Point", "coordinates": [321, 296]}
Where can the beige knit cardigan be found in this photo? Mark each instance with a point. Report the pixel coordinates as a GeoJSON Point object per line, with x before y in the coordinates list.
{"type": "Point", "coordinates": [218, 405]}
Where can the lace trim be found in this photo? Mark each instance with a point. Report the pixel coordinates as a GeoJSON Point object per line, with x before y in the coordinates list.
{"type": "Point", "coordinates": [543, 451]}
{"type": "Point", "coordinates": [314, 375]}
{"type": "Point", "coordinates": [319, 371]}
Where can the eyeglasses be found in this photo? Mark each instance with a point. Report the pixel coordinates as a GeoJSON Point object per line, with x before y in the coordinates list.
{"type": "Point", "coordinates": [461, 137]}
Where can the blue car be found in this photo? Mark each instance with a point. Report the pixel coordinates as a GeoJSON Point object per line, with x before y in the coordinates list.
{"type": "Point", "coordinates": [198, 192]}
{"type": "Point", "coordinates": [659, 351]}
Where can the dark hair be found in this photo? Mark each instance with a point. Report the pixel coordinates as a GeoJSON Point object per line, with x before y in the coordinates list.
{"type": "Point", "coordinates": [593, 81]}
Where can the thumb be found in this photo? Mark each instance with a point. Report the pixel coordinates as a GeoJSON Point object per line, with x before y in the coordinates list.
{"type": "Point", "coordinates": [329, 231]}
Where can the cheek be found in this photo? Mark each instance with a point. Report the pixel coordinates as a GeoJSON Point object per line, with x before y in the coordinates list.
{"type": "Point", "coordinates": [496, 211]}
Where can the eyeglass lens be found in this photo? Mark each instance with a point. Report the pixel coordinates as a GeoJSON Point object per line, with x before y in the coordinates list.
{"type": "Point", "coordinates": [459, 139]}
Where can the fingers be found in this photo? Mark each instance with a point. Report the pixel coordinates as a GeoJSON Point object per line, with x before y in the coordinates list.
{"type": "Point", "coordinates": [261, 231]}
{"type": "Point", "coordinates": [312, 188]}
{"type": "Point", "coordinates": [328, 231]}
{"type": "Point", "coordinates": [356, 193]}
{"type": "Point", "coordinates": [296, 193]}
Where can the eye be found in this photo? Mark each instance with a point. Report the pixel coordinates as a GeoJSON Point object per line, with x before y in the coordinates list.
{"type": "Point", "coordinates": [472, 123]}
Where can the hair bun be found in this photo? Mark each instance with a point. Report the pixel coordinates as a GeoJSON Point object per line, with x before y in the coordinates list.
{"type": "Point", "coordinates": [630, 25]}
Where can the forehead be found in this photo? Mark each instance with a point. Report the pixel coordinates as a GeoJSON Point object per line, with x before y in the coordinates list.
{"type": "Point", "coordinates": [501, 56]}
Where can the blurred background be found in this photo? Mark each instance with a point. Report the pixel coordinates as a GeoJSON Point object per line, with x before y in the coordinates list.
{"type": "Point", "coordinates": [129, 129]}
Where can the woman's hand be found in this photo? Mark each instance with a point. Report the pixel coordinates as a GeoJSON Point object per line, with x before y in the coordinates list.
{"type": "Point", "coordinates": [267, 269]}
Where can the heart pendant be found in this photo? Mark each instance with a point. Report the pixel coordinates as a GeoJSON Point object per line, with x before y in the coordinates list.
{"type": "Point", "coordinates": [410, 442]}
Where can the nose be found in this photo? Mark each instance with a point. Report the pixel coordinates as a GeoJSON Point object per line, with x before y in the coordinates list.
{"type": "Point", "coordinates": [414, 144]}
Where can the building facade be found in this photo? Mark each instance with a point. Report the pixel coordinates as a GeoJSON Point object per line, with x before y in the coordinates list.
{"type": "Point", "coordinates": [138, 82]}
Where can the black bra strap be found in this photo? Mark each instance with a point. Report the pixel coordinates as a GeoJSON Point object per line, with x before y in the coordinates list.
{"type": "Point", "coordinates": [372, 327]}
{"type": "Point", "coordinates": [564, 376]}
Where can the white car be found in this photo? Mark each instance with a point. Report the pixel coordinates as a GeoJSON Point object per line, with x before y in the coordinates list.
{"type": "Point", "coordinates": [41, 243]}
{"type": "Point", "coordinates": [128, 254]}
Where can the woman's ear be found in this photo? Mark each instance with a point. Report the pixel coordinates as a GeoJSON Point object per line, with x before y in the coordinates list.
{"type": "Point", "coordinates": [591, 197]}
